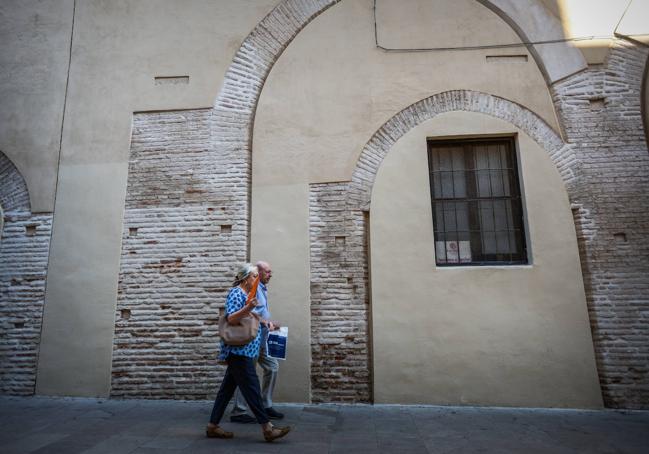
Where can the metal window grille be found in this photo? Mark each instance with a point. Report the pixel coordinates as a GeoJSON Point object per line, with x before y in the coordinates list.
{"type": "Point", "coordinates": [476, 201]}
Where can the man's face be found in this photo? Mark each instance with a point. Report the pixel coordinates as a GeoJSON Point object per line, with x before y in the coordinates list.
{"type": "Point", "coordinates": [265, 273]}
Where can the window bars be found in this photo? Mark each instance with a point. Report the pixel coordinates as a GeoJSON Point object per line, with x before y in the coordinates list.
{"type": "Point", "coordinates": [476, 202]}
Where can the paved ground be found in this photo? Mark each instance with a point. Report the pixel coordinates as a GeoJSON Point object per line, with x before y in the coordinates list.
{"type": "Point", "coordinates": [92, 426]}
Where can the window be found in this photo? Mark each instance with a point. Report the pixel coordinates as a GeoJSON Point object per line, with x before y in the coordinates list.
{"type": "Point", "coordinates": [476, 201]}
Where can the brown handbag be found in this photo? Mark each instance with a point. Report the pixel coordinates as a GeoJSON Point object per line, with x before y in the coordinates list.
{"type": "Point", "coordinates": [241, 333]}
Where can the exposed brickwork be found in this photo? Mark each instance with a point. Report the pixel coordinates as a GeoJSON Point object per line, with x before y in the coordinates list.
{"type": "Point", "coordinates": [340, 338]}
{"type": "Point", "coordinates": [457, 100]}
{"type": "Point", "coordinates": [235, 106]}
{"type": "Point", "coordinates": [176, 266]}
{"type": "Point", "coordinates": [13, 190]}
{"type": "Point", "coordinates": [606, 171]}
{"type": "Point", "coordinates": [340, 341]}
{"type": "Point", "coordinates": [184, 231]}
{"type": "Point", "coordinates": [254, 60]}
{"type": "Point", "coordinates": [24, 252]}
{"type": "Point", "coordinates": [608, 269]}
{"type": "Point", "coordinates": [600, 109]}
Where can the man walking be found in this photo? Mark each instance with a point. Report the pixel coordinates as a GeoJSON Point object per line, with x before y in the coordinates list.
{"type": "Point", "coordinates": [269, 365]}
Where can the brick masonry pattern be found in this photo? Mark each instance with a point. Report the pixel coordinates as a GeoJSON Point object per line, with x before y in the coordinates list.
{"type": "Point", "coordinates": [340, 333]}
{"type": "Point", "coordinates": [341, 355]}
{"type": "Point", "coordinates": [24, 253]}
{"type": "Point", "coordinates": [340, 313]}
{"type": "Point", "coordinates": [184, 231]}
{"type": "Point", "coordinates": [187, 224]}
{"type": "Point", "coordinates": [189, 172]}
{"type": "Point", "coordinates": [605, 167]}
{"type": "Point", "coordinates": [601, 113]}
{"type": "Point", "coordinates": [13, 190]}
{"type": "Point", "coordinates": [457, 100]}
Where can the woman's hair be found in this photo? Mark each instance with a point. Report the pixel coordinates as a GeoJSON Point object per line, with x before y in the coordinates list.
{"type": "Point", "coordinates": [243, 273]}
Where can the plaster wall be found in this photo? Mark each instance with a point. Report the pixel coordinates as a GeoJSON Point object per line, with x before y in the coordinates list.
{"type": "Point", "coordinates": [316, 135]}
{"type": "Point", "coordinates": [280, 236]}
{"type": "Point", "coordinates": [515, 335]}
{"type": "Point", "coordinates": [327, 94]}
{"type": "Point", "coordinates": [34, 57]}
{"type": "Point", "coordinates": [537, 22]}
{"type": "Point", "coordinates": [118, 48]}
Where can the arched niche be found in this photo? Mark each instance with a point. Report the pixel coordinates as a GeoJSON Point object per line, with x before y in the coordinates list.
{"type": "Point", "coordinates": [344, 216]}
{"type": "Point", "coordinates": [14, 195]}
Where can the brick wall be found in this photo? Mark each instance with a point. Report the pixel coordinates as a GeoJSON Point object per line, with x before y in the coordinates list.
{"type": "Point", "coordinates": [185, 229]}
{"type": "Point", "coordinates": [13, 190]}
{"type": "Point", "coordinates": [189, 172]}
{"type": "Point", "coordinates": [24, 252]}
{"type": "Point", "coordinates": [603, 165]}
{"type": "Point", "coordinates": [600, 110]}
{"type": "Point", "coordinates": [340, 334]}
{"type": "Point", "coordinates": [340, 313]}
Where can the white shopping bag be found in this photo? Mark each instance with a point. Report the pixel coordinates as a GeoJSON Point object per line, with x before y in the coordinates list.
{"type": "Point", "coordinates": [277, 343]}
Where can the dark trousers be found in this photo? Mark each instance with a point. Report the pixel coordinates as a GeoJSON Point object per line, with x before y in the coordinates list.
{"type": "Point", "coordinates": [240, 372]}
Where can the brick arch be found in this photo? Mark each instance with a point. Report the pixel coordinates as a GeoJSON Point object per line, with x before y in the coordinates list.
{"type": "Point", "coordinates": [233, 115]}
{"type": "Point", "coordinates": [244, 79]}
{"type": "Point", "coordinates": [340, 358]}
{"type": "Point", "coordinates": [384, 138]}
{"type": "Point", "coordinates": [338, 232]}
{"type": "Point", "coordinates": [340, 367]}
{"type": "Point", "coordinates": [14, 195]}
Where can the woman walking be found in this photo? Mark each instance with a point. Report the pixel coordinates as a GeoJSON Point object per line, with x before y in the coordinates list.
{"type": "Point", "coordinates": [241, 363]}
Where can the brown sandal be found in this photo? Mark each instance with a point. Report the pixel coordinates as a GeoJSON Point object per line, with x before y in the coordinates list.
{"type": "Point", "coordinates": [275, 433]}
{"type": "Point", "coordinates": [217, 432]}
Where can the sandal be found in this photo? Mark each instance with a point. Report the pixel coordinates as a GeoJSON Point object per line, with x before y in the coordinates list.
{"type": "Point", "coordinates": [217, 432]}
{"type": "Point", "coordinates": [275, 433]}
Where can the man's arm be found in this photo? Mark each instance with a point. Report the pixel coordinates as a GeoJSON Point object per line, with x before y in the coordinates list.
{"type": "Point", "coordinates": [271, 325]}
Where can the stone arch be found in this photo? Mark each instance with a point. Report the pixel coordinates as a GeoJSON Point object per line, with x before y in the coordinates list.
{"type": "Point", "coordinates": [384, 138]}
{"type": "Point", "coordinates": [14, 195]}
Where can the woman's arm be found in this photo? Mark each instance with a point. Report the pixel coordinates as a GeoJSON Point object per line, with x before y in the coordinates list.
{"type": "Point", "coordinates": [235, 317]}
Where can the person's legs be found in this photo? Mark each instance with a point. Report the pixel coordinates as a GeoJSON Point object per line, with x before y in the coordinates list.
{"type": "Point", "coordinates": [241, 373]}
{"type": "Point", "coordinates": [248, 383]}
{"type": "Point", "coordinates": [239, 408]}
{"type": "Point", "coordinates": [270, 366]}
{"type": "Point", "coordinates": [228, 385]}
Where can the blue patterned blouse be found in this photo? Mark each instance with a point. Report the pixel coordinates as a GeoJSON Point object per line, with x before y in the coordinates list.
{"type": "Point", "coordinates": [235, 301]}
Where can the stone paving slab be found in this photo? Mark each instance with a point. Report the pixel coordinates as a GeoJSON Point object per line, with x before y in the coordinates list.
{"type": "Point", "coordinates": [43, 425]}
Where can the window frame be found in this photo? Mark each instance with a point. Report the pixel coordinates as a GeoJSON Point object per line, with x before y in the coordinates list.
{"type": "Point", "coordinates": [523, 254]}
